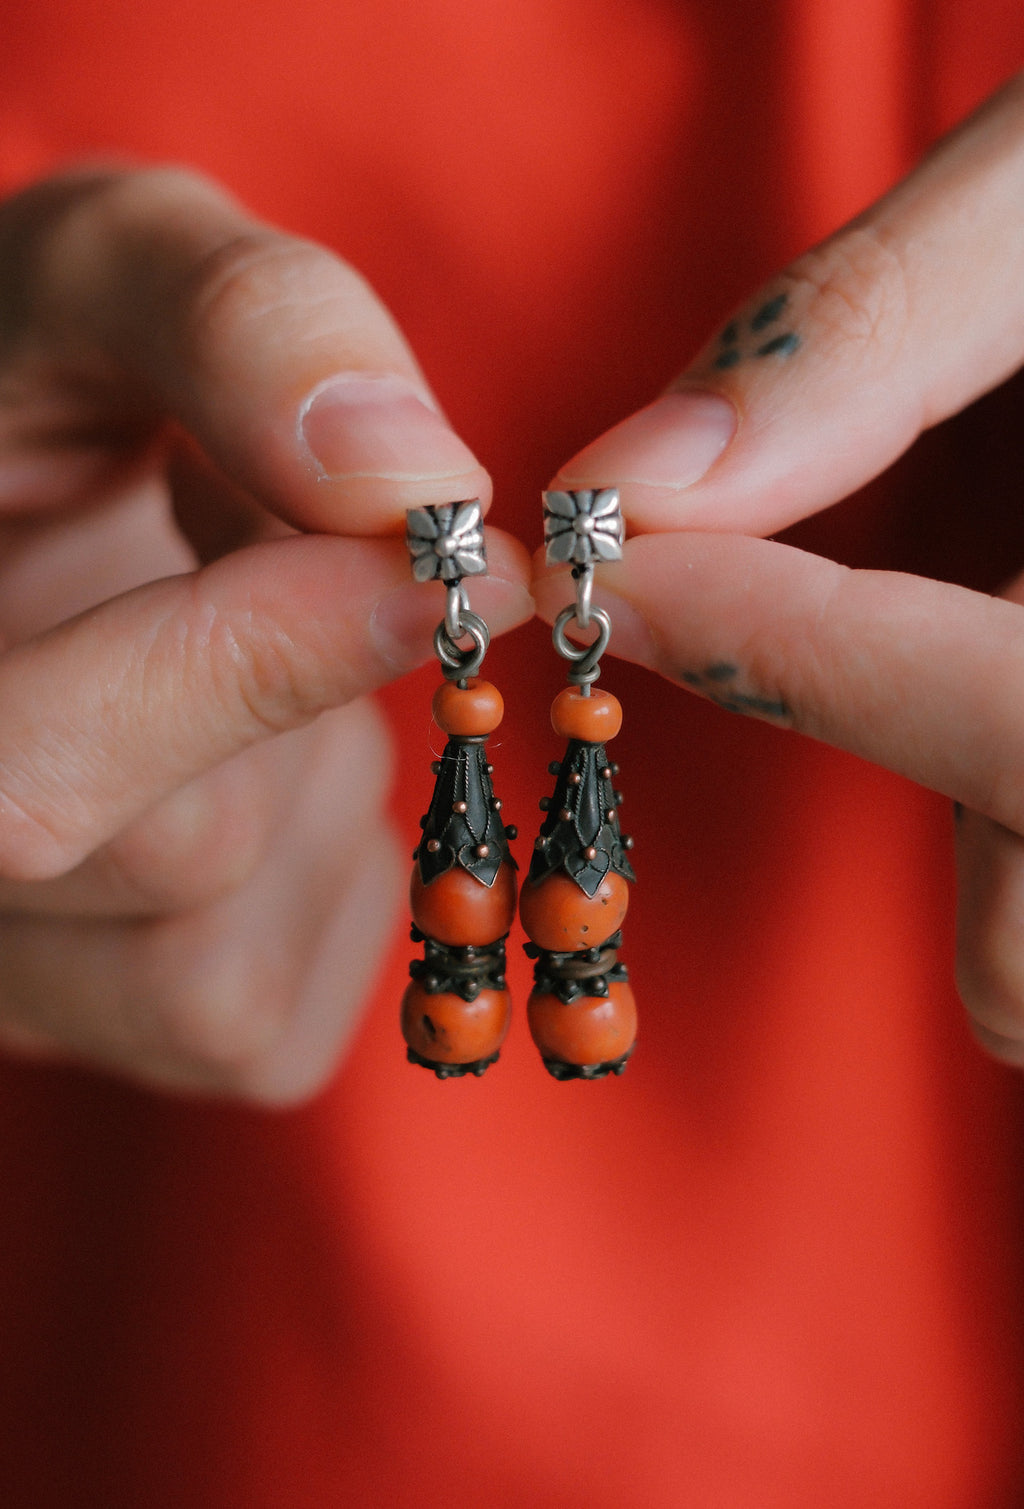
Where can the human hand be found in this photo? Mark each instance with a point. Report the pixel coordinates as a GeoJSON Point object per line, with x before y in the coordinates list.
{"type": "Point", "coordinates": [198, 416]}
{"type": "Point", "coordinates": [817, 385]}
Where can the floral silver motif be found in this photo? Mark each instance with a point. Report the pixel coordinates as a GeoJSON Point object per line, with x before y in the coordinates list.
{"type": "Point", "coordinates": [446, 540]}
{"type": "Point", "coordinates": [583, 527]}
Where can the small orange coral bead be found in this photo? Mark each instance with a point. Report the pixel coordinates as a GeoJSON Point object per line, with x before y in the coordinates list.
{"type": "Point", "coordinates": [561, 918]}
{"type": "Point", "coordinates": [589, 1030]}
{"type": "Point", "coordinates": [459, 910]}
{"type": "Point", "coordinates": [473, 710]}
{"type": "Point", "coordinates": [448, 1030]}
{"type": "Point", "coordinates": [595, 719]}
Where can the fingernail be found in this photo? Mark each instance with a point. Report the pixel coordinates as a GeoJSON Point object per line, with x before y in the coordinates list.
{"type": "Point", "coordinates": [672, 443]}
{"type": "Point", "coordinates": [378, 424]}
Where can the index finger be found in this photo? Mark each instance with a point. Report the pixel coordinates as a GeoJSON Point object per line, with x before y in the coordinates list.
{"type": "Point", "coordinates": [155, 290]}
{"type": "Point", "coordinates": [919, 676]}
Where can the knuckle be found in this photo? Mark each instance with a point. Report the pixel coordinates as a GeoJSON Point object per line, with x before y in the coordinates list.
{"type": "Point", "coordinates": [285, 1079]}
{"type": "Point", "coordinates": [245, 283]}
{"type": "Point", "coordinates": [197, 846]}
{"type": "Point", "coordinates": [855, 287]}
{"type": "Point", "coordinates": [264, 674]}
{"type": "Point", "coordinates": [239, 667]}
{"type": "Point", "coordinates": [226, 1018]}
{"type": "Point", "coordinates": [72, 224]}
{"type": "Point", "coordinates": [36, 845]}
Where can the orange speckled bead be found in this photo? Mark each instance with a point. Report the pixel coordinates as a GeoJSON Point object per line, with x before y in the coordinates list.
{"type": "Point", "coordinates": [458, 909]}
{"type": "Point", "coordinates": [470, 711]}
{"type": "Point", "coordinates": [448, 1030]}
{"type": "Point", "coordinates": [562, 919]}
{"type": "Point", "coordinates": [595, 719]}
{"type": "Point", "coordinates": [589, 1030]}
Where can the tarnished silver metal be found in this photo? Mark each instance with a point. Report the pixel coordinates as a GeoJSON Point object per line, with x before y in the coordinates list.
{"type": "Point", "coordinates": [584, 660]}
{"type": "Point", "coordinates": [458, 664]}
{"type": "Point", "coordinates": [583, 528]}
{"type": "Point", "coordinates": [446, 541]}
{"type": "Point", "coordinates": [584, 593]}
{"type": "Point", "coordinates": [456, 606]}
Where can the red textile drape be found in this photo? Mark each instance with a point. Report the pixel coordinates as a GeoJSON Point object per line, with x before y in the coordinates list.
{"type": "Point", "coordinates": [777, 1264]}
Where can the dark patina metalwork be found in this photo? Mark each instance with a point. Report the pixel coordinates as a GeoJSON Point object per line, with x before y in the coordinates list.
{"type": "Point", "coordinates": [464, 817]}
{"type": "Point", "coordinates": [586, 841]}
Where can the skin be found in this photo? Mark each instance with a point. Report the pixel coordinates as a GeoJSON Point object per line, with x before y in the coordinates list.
{"type": "Point", "coordinates": [902, 318]}
{"type": "Point", "coordinates": [184, 888]}
{"type": "Point", "coordinates": [191, 892]}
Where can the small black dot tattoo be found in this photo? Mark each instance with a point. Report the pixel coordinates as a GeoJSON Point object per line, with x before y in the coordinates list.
{"type": "Point", "coordinates": [732, 348]}
{"type": "Point", "coordinates": [769, 313]}
{"type": "Point", "coordinates": [779, 345]}
{"type": "Point", "coordinates": [768, 707]}
{"type": "Point", "coordinates": [727, 697]}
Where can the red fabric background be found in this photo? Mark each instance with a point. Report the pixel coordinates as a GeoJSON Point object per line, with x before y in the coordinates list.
{"type": "Point", "coordinates": [776, 1265]}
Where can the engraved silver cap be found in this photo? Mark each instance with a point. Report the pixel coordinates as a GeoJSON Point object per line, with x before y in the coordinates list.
{"type": "Point", "coordinates": [583, 528]}
{"type": "Point", "coordinates": [446, 541]}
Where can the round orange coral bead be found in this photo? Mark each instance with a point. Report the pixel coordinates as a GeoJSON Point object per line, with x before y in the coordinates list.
{"type": "Point", "coordinates": [589, 1030]}
{"type": "Point", "coordinates": [459, 910]}
{"type": "Point", "coordinates": [448, 1030]}
{"type": "Point", "coordinates": [594, 719]}
{"type": "Point", "coordinates": [473, 710]}
{"type": "Point", "coordinates": [562, 919]}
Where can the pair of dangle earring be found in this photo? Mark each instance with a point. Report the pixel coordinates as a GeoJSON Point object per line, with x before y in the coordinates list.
{"type": "Point", "coordinates": [581, 1012]}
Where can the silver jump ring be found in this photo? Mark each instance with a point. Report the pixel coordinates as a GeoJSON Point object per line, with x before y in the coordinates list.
{"type": "Point", "coordinates": [584, 592]}
{"type": "Point", "coordinates": [456, 606]}
{"type": "Point", "coordinates": [458, 663]}
{"type": "Point", "coordinates": [583, 658]}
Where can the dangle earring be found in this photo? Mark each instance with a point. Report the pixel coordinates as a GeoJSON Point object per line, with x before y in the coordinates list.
{"type": "Point", "coordinates": [581, 1012]}
{"type": "Point", "coordinates": [456, 1011]}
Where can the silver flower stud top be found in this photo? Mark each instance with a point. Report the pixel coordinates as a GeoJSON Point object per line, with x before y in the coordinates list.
{"type": "Point", "coordinates": [584, 527]}
{"type": "Point", "coordinates": [446, 540]}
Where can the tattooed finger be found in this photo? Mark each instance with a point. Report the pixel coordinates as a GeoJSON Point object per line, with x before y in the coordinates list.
{"type": "Point", "coordinates": [821, 379]}
{"type": "Point", "coordinates": [920, 676]}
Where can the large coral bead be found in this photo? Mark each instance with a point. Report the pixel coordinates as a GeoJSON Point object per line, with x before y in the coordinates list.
{"type": "Point", "coordinates": [445, 1029]}
{"type": "Point", "coordinates": [561, 918]}
{"type": "Point", "coordinates": [588, 1031]}
{"type": "Point", "coordinates": [460, 910]}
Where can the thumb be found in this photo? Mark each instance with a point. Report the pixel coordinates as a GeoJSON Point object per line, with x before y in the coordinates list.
{"type": "Point", "coordinates": [131, 297]}
{"type": "Point", "coordinates": [822, 379]}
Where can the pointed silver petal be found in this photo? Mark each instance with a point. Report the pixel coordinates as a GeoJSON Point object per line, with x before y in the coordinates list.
{"type": "Point", "coordinates": [469, 562]}
{"type": "Point", "coordinates": [467, 517]}
{"type": "Point", "coordinates": [605, 502]}
{"type": "Point", "coordinates": [560, 547]}
{"type": "Point", "coordinates": [605, 547]}
{"type": "Point", "coordinates": [419, 524]}
{"type": "Point", "coordinates": [561, 504]}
